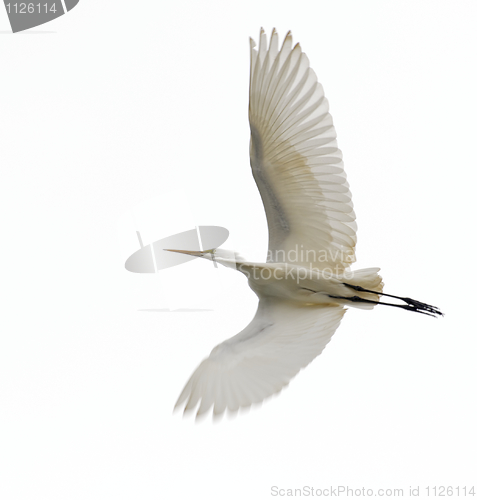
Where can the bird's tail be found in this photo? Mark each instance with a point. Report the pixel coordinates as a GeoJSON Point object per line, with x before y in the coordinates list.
{"type": "Point", "coordinates": [367, 286]}
{"type": "Point", "coordinates": [367, 279]}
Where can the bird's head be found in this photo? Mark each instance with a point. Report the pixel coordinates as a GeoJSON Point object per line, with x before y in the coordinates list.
{"type": "Point", "coordinates": [227, 258]}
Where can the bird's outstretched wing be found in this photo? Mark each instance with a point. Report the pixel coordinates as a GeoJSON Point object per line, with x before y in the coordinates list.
{"type": "Point", "coordinates": [259, 361]}
{"type": "Point", "coordinates": [295, 160]}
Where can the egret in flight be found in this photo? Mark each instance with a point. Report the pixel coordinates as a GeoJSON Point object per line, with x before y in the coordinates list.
{"type": "Point", "coordinates": [306, 283]}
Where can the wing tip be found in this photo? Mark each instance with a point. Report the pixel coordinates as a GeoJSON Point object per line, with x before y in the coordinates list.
{"type": "Point", "coordinates": [274, 34]}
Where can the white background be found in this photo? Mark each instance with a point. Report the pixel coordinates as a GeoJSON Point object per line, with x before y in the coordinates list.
{"type": "Point", "coordinates": [117, 103]}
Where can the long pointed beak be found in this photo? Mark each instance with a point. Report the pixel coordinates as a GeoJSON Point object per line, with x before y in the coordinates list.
{"type": "Point", "coordinates": [194, 253]}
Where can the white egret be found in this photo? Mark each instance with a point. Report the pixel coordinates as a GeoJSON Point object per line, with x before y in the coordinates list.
{"type": "Point", "coordinates": [306, 282]}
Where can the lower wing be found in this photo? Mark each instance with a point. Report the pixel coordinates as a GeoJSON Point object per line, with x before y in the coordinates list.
{"type": "Point", "coordinates": [258, 362]}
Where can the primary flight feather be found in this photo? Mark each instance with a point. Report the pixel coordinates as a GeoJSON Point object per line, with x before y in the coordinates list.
{"type": "Point", "coordinates": [306, 281]}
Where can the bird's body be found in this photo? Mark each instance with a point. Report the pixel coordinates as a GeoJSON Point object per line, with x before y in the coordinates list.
{"type": "Point", "coordinates": [309, 286]}
{"type": "Point", "coordinates": [306, 283]}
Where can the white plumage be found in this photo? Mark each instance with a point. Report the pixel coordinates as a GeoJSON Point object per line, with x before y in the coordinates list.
{"type": "Point", "coordinates": [295, 158]}
{"type": "Point", "coordinates": [306, 280]}
{"type": "Point", "coordinates": [259, 361]}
